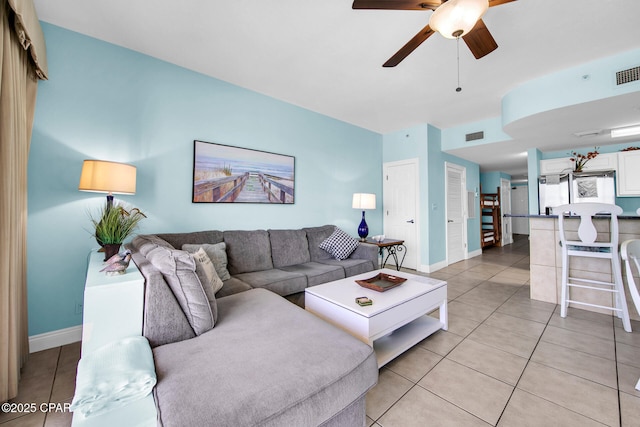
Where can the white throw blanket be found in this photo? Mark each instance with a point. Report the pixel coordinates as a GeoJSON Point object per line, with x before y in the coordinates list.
{"type": "Point", "coordinates": [114, 375]}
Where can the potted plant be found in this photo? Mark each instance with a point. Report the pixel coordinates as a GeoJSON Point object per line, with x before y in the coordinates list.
{"type": "Point", "coordinates": [580, 160]}
{"type": "Point", "coordinates": [114, 225]}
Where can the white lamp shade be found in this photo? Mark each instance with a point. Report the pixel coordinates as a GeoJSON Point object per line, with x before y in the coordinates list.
{"type": "Point", "coordinates": [364, 201]}
{"type": "Point", "coordinates": [457, 15]}
{"type": "Point", "coordinates": [107, 177]}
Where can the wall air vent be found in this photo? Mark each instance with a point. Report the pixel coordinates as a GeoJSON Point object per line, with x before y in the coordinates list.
{"type": "Point", "coordinates": [628, 76]}
{"type": "Point", "coordinates": [474, 136]}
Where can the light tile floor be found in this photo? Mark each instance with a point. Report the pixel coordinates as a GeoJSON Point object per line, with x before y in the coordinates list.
{"type": "Point", "coordinates": [509, 361]}
{"type": "Point", "coordinates": [506, 360]}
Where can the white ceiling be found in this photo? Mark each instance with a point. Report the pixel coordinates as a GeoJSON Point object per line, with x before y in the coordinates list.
{"type": "Point", "coordinates": [326, 57]}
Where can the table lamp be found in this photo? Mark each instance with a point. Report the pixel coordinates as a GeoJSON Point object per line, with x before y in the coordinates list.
{"type": "Point", "coordinates": [101, 176]}
{"type": "Point", "coordinates": [363, 201]}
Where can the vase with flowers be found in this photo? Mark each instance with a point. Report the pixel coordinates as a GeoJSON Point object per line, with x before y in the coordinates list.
{"type": "Point", "coordinates": [579, 160]}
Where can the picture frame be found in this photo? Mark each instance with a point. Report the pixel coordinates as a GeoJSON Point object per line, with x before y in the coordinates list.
{"type": "Point", "coordinates": [228, 174]}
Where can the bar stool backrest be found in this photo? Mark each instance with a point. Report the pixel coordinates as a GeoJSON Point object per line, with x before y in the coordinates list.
{"type": "Point", "coordinates": [630, 252]}
{"type": "Point", "coordinates": [587, 232]}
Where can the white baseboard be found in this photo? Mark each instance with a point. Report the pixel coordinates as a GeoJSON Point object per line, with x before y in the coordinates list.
{"type": "Point", "coordinates": [432, 268]}
{"type": "Point", "coordinates": [55, 338]}
{"type": "Point", "coordinates": [474, 253]}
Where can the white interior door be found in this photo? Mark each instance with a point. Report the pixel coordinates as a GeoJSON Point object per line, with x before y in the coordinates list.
{"type": "Point", "coordinates": [400, 200]}
{"type": "Point", "coordinates": [520, 206]}
{"type": "Point", "coordinates": [455, 188]}
{"type": "Point", "coordinates": [505, 208]}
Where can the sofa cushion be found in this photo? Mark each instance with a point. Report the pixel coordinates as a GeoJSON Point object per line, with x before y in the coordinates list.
{"type": "Point", "coordinates": [315, 236]}
{"type": "Point", "coordinates": [279, 281]}
{"type": "Point", "coordinates": [351, 266]}
{"type": "Point", "coordinates": [289, 247]}
{"type": "Point", "coordinates": [232, 286]}
{"type": "Point", "coordinates": [340, 245]}
{"type": "Point", "coordinates": [248, 251]}
{"type": "Point", "coordinates": [192, 238]}
{"type": "Point", "coordinates": [178, 269]}
{"type": "Point", "coordinates": [145, 243]}
{"type": "Point", "coordinates": [317, 273]}
{"type": "Point", "coordinates": [282, 366]}
{"type": "Point", "coordinates": [217, 253]}
{"type": "Point", "coordinates": [164, 321]}
{"type": "Point", "coordinates": [206, 272]}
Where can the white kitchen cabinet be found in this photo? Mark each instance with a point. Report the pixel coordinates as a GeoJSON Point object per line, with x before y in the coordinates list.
{"type": "Point", "coordinates": [602, 162]}
{"type": "Point", "coordinates": [556, 166]}
{"type": "Point", "coordinates": [628, 178]}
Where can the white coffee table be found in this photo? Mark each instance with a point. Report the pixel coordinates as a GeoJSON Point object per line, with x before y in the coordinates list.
{"type": "Point", "coordinates": [397, 319]}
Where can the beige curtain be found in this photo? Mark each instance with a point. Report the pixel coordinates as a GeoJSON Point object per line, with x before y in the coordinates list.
{"type": "Point", "coordinates": [22, 62]}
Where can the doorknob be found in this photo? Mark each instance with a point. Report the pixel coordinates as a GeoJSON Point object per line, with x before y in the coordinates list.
{"type": "Point", "coordinates": [411, 221]}
{"type": "Point", "coordinates": [449, 220]}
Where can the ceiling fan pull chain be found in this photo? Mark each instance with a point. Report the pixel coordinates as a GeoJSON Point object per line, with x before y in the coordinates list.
{"type": "Point", "coordinates": [458, 89]}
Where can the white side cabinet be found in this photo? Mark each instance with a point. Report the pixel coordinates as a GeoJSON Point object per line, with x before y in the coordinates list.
{"type": "Point", "coordinates": [628, 179]}
{"type": "Point", "coordinates": [113, 307]}
{"type": "Point", "coordinates": [112, 304]}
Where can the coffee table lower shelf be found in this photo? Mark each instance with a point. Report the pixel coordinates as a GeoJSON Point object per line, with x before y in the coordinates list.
{"type": "Point", "coordinates": [391, 346]}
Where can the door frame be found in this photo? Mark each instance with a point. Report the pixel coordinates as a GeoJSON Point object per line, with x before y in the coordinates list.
{"type": "Point", "coordinates": [505, 222]}
{"type": "Point", "coordinates": [465, 208]}
{"type": "Point", "coordinates": [413, 161]}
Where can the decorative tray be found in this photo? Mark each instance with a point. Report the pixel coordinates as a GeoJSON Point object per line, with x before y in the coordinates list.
{"type": "Point", "coordinates": [381, 282]}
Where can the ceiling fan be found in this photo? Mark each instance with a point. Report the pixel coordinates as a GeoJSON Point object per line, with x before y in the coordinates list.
{"type": "Point", "coordinates": [451, 18]}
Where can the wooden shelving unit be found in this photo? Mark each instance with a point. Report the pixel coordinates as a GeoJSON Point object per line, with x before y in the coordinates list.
{"type": "Point", "coordinates": [490, 222]}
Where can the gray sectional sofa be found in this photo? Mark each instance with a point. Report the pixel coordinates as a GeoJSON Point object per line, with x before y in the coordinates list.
{"type": "Point", "coordinates": [258, 359]}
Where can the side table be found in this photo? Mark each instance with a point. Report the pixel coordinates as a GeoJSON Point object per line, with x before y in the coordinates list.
{"type": "Point", "coordinates": [393, 247]}
{"type": "Point", "coordinates": [113, 309]}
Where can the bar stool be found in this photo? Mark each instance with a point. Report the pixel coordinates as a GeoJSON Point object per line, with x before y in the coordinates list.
{"type": "Point", "coordinates": [630, 252]}
{"type": "Point", "coordinates": [587, 246]}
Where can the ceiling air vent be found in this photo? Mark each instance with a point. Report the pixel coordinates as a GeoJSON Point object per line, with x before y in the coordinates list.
{"type": "Point", "coordinates": [474, 136]}
{"type": "Point", "coordinates": [628, 76]}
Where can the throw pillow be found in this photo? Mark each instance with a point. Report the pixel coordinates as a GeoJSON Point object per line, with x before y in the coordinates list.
{"type": "Point", "coordinates": [339, 244]}
{"type": "Point", "coordinates": [178, 269]}
{"type": "Point", "coordinates": [217, 254]}
{"type": "Point", "coordinates": [206, 272]}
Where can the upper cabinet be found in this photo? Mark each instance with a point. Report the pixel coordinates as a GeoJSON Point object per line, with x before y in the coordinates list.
{"type": "Point", "coordinates": [628, 176]}
{"type": "Point", "coordinates": [555, 166]}
{"type": "Point", "coordinates": [603, 162]}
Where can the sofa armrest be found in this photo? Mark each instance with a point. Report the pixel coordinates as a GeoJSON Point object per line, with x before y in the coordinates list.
{"type": "Point", "coordinates": [367, 251]}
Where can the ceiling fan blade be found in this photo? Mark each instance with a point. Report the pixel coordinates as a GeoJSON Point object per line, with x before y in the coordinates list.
{"type": "Point", "coordinates": [480, 41]}
{"type": "Point", "coordinates": [411, 45]}
{"type": "Point", "coordinates": [397, 4]}
{"type": "Point", "coordinates": [498, 2]}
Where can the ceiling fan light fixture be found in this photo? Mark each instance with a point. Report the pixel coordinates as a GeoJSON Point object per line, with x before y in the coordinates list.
{"type": "Point", "coordinates": [455, 18]}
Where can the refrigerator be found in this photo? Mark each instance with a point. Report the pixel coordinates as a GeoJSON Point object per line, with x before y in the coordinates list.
{"type": "Point", "coordinates": [553, 190]}
{"type": "Point", "coordinates": [576, 187]}
{"type": "Point", "coordinates": [597, 186]}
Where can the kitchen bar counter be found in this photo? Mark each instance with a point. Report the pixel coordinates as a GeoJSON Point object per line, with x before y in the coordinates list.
{"type": "Point", "coordinates": [625, 215]}
{"type": "Point", "coordinates": [546, 259]}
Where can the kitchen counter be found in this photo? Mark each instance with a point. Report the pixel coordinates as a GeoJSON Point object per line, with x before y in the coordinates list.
{"type": "Point", "coordinates": [546, 259]}
{"type": "Point", "coordinates": [625, 215]}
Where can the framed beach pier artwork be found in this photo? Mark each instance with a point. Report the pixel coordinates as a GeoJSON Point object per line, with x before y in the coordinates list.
{"type": "Point", "coordinates": [226, 174]}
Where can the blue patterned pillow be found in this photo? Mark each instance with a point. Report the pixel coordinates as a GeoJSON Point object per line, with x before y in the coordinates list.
{"type": "Point", "coordinates": [340, 245]}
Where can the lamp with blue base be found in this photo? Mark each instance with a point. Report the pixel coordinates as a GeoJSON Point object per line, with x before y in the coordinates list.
{"type": "Point", "coordinates": [363, 201]}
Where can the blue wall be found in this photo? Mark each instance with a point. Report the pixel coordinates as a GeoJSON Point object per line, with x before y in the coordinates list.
{"type": "Point", "coordinates": [424, 143]}
{"type": "Point", "coordinates": [106, 102]}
